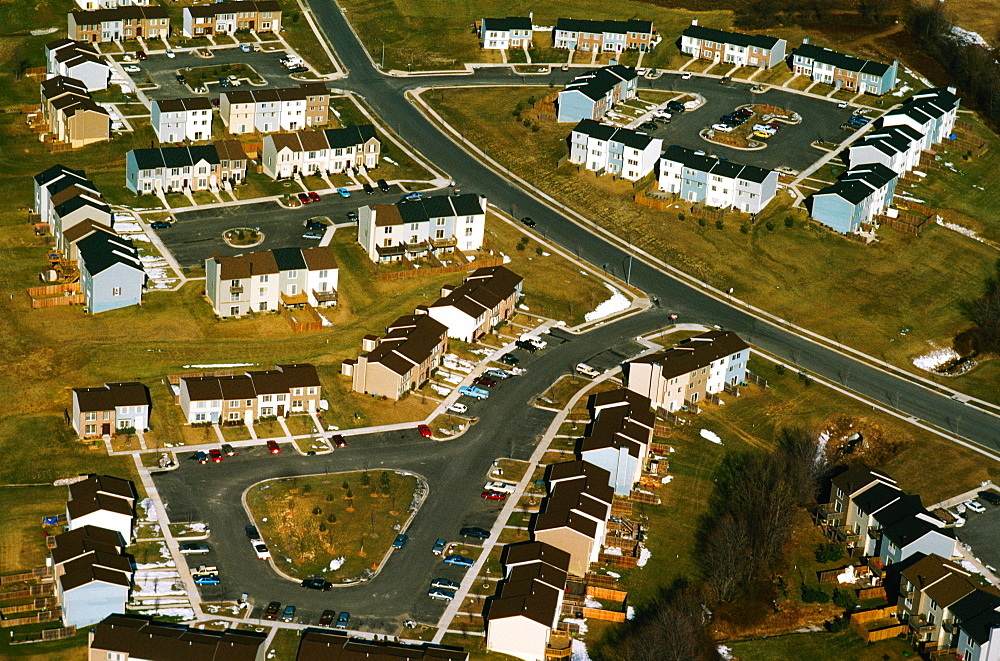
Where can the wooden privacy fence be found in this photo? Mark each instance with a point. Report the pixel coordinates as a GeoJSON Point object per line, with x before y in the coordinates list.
{"type": "Point", "coordinates": [620, 508]}
{"type": "Point", "coordinates": [43, 590]}
{"type": "Point", "coordinates": [36, 574]}
{"type": "Point", "coordinates": [601, 614]}
{"type": "Point", "coordinates": [606, 593]}
{"type": "Point", "coordinates": [48, 296]}
{"type": "Point", "coordinates": [439, 270]}
{"type": "Point", "coordinates": [59, 633]}
{"type": "Point", "coordinates": [872, 593]}
{"type": "Point", "coordinates": [600, 581]}
{"type": "Point", "coordinates": [882, 633]}
{"type": "Point", "coordinates": [830, 575]}
{"type": "Point", "coordinates": [623, 561]}
{"type": "Point", "coordinates": [862, 617]}
{"type": "Point", "coordinates": [37, 618]}
{"type": "Point", "coordinates": [658, 203]}
{"type": "Point", "coordinates": [643, 497]}
{"type": "Point", "coordinates": [36, 605]}
{"type": "Point", "coordinates": [303, 320]}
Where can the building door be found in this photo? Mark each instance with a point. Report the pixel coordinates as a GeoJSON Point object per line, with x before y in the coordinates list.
{"type": "Point", "coordinates": [281, 410]}
{"type": "Point", "coordinates": [139, 422]}
{"type": "Point", "coordinates": [106, 429]}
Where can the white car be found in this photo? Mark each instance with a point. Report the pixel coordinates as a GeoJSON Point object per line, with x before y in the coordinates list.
{"type": "Point", "coordinates": [662, 114]}
{"type": "Point", "coordinates": [261, 549]}
{"type": "Point", "coordinates": [686, 75]}
{"type": "Point", "coordinates": [458, 407]}
{"type": "Point", "coordinates": [975, 506]}
{"type": "Point", "coordinates": [171, 54]}
{"type": "Point", "coordinates": [502, 487]}
{"type": "Point", "coordinates": [131, 68]}
{"type": "Point", "coordinates": [725, 128]}
{"type": "Point", "coordinates": [764, 128]}
{"type": "Point", "coordinates": [842, 104]}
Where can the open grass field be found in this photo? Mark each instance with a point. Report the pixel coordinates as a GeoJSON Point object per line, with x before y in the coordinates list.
{"type": "Point", "coordinates": [890, 300]}
{"type": "Point", "coordinates": [355, 525]}
{"type": "Point", "coordinates": [435, 34]}
{"type": "Point", "coordinates": [21, 512]}
{"type": "Point", "coordinates": [822, 646]}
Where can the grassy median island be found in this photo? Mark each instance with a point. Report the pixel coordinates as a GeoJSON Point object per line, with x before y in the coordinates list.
{"type": "Point", "coordinates": [338, 525]}
{"type": "Point", "coordinates": [891, 299]}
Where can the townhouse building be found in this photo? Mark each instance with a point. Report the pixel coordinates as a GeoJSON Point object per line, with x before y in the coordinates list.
{"type": "Point", "coordinates": [79, 61]}
{"type": "Point", "coordinates": [327, 645]}
{"type": "Point", "coordinates": [180, 120]}
{"type": "Point", "coordinates": [618, 437]}
{"type": "Point", "coordinates": [592, 94]}
{"type": "Point", "coordinates": [268, 280]}
{"type": "Point", "coordinates": [506, 33]}
{"type": "Point", "coordinates": [190, 167]}
{"type": "Point", "coordinates": [843, 71]}
{"type": "Point", "coordinates": [715, 182]}
{"type": "Point", "coordinates": [603, 36]}
{"type": "Point", "coordinates": [110, 4]}
{"type": "Point", "coordinates": [327, 151]}
{"type": "Point", "coordinates": [104, 410]}
{"type": "Point", "coordinates": [438, 224]}
{"type": "Point", "coordinates": [928, 591]}
{"type": "Point", "coordinates": [603, 148]}
{"type": "Point", "coordinates": [487, 297]}
{"type": "Point", "coordinates": [92, 587]}
{"type": "Point", "coordinates": [574, 517]}
{"type": "Point", "coordinates": [111, 274]}
{"type": "Point", "coordinates": [54, 180]}
{"type": "Point", "coordinates": [138, 637]}
{"type": "Point", "coordinates": [245, 398]}
{"type": "Point", "coordinates": [121, 23]}
{"type": "Point", "coordinates": [270, 110]}
{"type": "Point", "coordinates": [399, 361]}
{"type": "Point", "coordinates": [744, 50]}
{"type": "Point", "coordinates": [73, 117]}
{"type": "Point", "coordinates": [71, 209]}
{"type": "Point", "coordinates": [528, 601]}
{"type": "Point", "coordinates": [897, 147]}
{"type": "Point", "coordinates": [231, 17]}
{"type": "Point", "coordinates": [102, 501]}
{"type": "Point", "coordinates": [932, 112]}
{"type": "Point", "coordinates": [687, 372]}
{"type": "Point", "coordinates": [977, 625]}
{"type": "Point", "coordinates": [861, 193]}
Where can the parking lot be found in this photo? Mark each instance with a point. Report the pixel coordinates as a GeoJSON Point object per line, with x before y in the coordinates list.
{"type": "Point", "coordinates": [982, 533]}
{"type": "Point", "coordinates": [197, 234]}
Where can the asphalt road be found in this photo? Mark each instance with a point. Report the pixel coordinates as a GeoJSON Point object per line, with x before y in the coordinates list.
{"type": "Point", "coordinates": [385, 95]}
{"type": "Point", "coordinates": [197, 234]}
{"type": "Point", "coordinates": [454, 470]}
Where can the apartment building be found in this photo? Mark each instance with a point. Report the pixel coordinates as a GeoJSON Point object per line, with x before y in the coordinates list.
{"type": "Point", "coordinates": [180, 120]}
{"type": "Point", "coordinates": [843, 71]}
{"type": "Point", "coordinates": [122, 637]}
{"type": "Point", "coordinates": [505, 33]}
{"type": "Point", "coordinates": [698, 178]}
{"type": "Point", "coordinates": [574, 517]}
{"type": "Point", "coordinates": [618, 437]}
{"type": "Point", "coordinates": [245, 398]}
{"type": "Point", "coordinates": [103, 501]}
{"type": "Point", "coordinates": [603, 36]}
{"type": "Point", "coordinates": [121, 23]}
{"type": "Point", "coordinates": [72, 115]}
{"type": "Point", "coordinates": [327, 151]}
{"type": "Point", "coordinates": [92, 587]}
{"type": "Point", "coordinates": [54, 180]}
{"type": "Point", "coordinates": [932, 112]}
{"type": "Point", "coordinates": [268, 280]}
{"type": "Point", "coordinates": [592, 94]}
{"type": "Point", "coordinates": [897, 147]}
{"type": "Point", "coordinates": [607, 149]}
{"type": "Point", "coordinates": [189, 167]}
{"type": "Point", "coordinates": [474, 308]}
{"type": "Point", "coordinates": [744, 50]}
{"type": "Point", "coordinates": [230, 17]}
{"type": "Point", "coordinates": [977, 624]}
{"type": "Point", "coordinates": [861, 193]}
{"type": "Point", "coordinates": [271, 110]}
{"type": "Point", "coordinates": [928, 590]}
{"type": "Point", "coordinates": [109, 4]}
{"type": "Point", "coordinates": [79, 61]}
{"type": "Point", "coordinates": [528, 601]}
{"type": "Point", "coordinates": [73, 208]}
{"type": "Point", "coordinates": [687, 372]}
{"type": "Point", "coordinates": [436, 224]}
{"type": "Point", "coordinates": [399, 361]}
{"type": "Point", "coordinates": [113, 406]}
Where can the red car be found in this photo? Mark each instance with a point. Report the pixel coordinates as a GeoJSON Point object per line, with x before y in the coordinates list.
{"type": "Point", "coordinates": [314, 196]}
{"type": "Point", "coordinates": [425, 431]}
{"type": "Point", "coordinates": [339, 441]}
{"type": "Point", "coordinates": [272, 447]}
{"type": "Point", "coordinates": [216, 455]}
{"type": "Point", "coordinates": [303, 198]}
{"type": "Point", "coordinates": [776, 127]}
{"type": "Point", "coordinates": [483, 381]}
{"type": "Point", "coordinates": [494, 495]}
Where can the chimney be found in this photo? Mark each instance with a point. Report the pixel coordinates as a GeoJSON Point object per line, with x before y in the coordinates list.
{"type": "Point", "coordinates": [531, 17]}
{"type": "Point", "coordinates": [447, 289]}
{"type": "Point", "coordinates": [805, 40]}
{"type": "Point", "coordinates": [368, 343]}
{"type": "Point", "coordinates": [694, 21]}
{"type": "Point", "coordinates": [420, 309]}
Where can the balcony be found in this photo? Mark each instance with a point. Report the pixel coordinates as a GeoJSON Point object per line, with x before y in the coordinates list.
{"type": "Point", "coordinates": [237, 289]}
{"type": "Point", "coordinates": [325, 297]}
{"type": "Point", "coordinates": [875, 533]}
{"type": "Point", "coordinates": [826, 514]}
{"type": "Point", "coordinates": [390, 251]}
{"type": "Point", "coordinates": [444, 243]}
{"type": "Point", "coordinates": [919, 625]}
{"type": "Point", "coordinates": [847, 534]}
{"type": "Point", "coordinates": [294, 300]}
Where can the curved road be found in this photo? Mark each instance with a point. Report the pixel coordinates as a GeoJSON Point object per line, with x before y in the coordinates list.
{"type": "Point", "coordinates": [385, 95]}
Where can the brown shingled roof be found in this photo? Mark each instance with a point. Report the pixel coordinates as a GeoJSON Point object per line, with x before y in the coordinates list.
{"type": "Point", "coordinates": [246, 265]}
{"type": "Point", "coordinates": [177, 105]}
{"type": "Point", "coordinates": [230, 150]}
{"type": "Point", "coordinates": [514, 554]}
{"type": "Point", "coordinates": [531, 599]}
{"type": "Point", "coordinates": [143, 638]}
{"type": "Point", "coordinates": [102, 484]}
{"type": "Point", "coordinates": [318, 645]}
{"type": "Point", "coordinates": [96, 566]}
{"type": "Point", "coordinates": [75, 543]}
{"type": "Point", "coordinates": [695, 353]}
{"type": "Point", "coordinates": [409, 341]}
{"type": "Point", "coordinates": [319, 258]}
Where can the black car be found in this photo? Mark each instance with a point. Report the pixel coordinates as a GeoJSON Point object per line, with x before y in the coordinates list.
{"type": "Point", "coordinates": [675, 106]}
{"type": "Point", "coordinates": [352, 216]}
{"type": "Point", "coordinates": [528, 222]}
{"type": "Point", "coordinates": [317, 584]}
{"type": "Point", "coordinates": [298, 70]}
{"type": "Point", "coordinates": [338, 440]}
{"type": "Point", "coordinates": [991, 497]}
{"type": "Point", "coordinates": [527, 346]}
{"type": "Point", "coordinates": [368, 188]}
{"type": "Point", "coordinates": [326, 619]}
{"type": "Point", "coordinates": [159, 225]}
{"type": "Point", "coordinates": [649, 126]}
{"type": "Point", "coordinates": [271, 612]}
{"type": "Point", "coordinates": [383, 186]}
{"type": "Point", "coordinates": [181, 79]}
{"type": "Point", "coordinates": [252, 532]}
{"type": "Point", "coordinates": [318, 225]}
{"type": "Point", "coordinates": [478, 533]}
{"type": "Point", "coordinates": [509, 359]}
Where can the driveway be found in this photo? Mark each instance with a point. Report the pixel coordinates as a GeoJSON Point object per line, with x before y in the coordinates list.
{"type": "Point", "coordinates": [197, 234]}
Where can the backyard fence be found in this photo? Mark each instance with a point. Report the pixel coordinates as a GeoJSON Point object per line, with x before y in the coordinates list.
{"type": "Point", "coordinates": [871, 593]}
{"type": "Point", "coordinates": [756, 380]}
{"type": "Point", "coordinates": [47, 635]}
{"type": "Point", "coordinates": [484, 262]}
{"type": "Point", "coordinates": [48, 296]}
{"type": "Point", "coordinates": [37, 618]}
{"type": "Point", "coordinates": [643, 497]}
{"type": "Point", "coordinates": [658, 203]}
{"type": "Point", "coordinates": [600, 580]}
{"type": "Point", "coordinates": [872, 615]}
{"type": "Point", "coordinates": [606, 593]}
{"type": "Point", "coordinates": [601, 614]}
{"type": "Point", "coordinates": [36, 574]}
{"type": "Point", "coordinates": [620, 508]}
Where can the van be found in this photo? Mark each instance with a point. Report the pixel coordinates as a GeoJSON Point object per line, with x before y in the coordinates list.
{"type": "Point", "coordinates": [587, 370]}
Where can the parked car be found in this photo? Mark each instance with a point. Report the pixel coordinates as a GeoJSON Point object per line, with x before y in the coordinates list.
{"type": "Point", "coordinates": [438, 593]}
{"type": "Point", "coordinates": [171, 54]}
{"type": "Point", "coordinates": [383, 186]}
{"type": "Point", "coordinates": [194, 548]}
{"type": "Point", "coordinates": [725, 128]}
{"type": "Point", "coordinates": [724, 80]}
{"type": "Point", "coordinates": [761, 135]}
{"type": "Point", "coordinates": [537, 342]}
{"type": "Point", "coordinates": [260, 548]}
{"type": "Point", "coordinates": [764, 128]}
{"type": "Point", "coordinates": [289, 614]}
{"type": "Point", "coordinates": [273, 447]}
{"type": "Point", "coordinates": [303, 198]}
{"type": "Point", "coordinates": [425, 431]}
{"type": "Point", "coordinates": [686, 75]}
{"type": "Point", "coordinates": [974, 506]}
{"type": "Point", "coordinates": [484, 381]}
{"type": "Point", "coordinates": [587, 370]}
{"type": "Point", "coordinates": [444, 584]}
{"type": "Point", "coordinates": [201, 457]}
{"type": "Point", "coordinates": [206, 579]}
{"type": "Point", "coordinates": [159, 225]}
{"type": "Point", "coordinates": [314, 235]}
{"type": "Point", "coordinates": [326, 619]}
{"type": "Point", "coordinates": [472, 531]}
{"type": "Point", "coordinates": [317, 584]}
{"type": "Point", "coordinates": [842, 104]}
{"type": "Point", "coordinates": [252, 532]}
{"type": "Point", "coordinates": [528, 222]}
{"type": "Point", "coordinates": [509, 359]}
{"type": "Point", "coordinates": [489, 494]}
{"type": "Point", "coordinates": [649, 126]}
{"type": "Point", "coordinates": [224, 82]}
{"type": "Point", "coordinates": [458, 407]}
{"type": "Point", "coordinates": [499, 374]}
{"type": "Point", "coordinates": [369, 190]}
{"type": "Point", "coordinates": [438, 547]}
{"type": "Point", "coordinates": [773, 125]}
{"type": "Point", "coordinates": [228, 449]}
{"type": "Point", "coordinates": [502, 487]}
{"type": "Point", "coordinates": [338, 441]}
{"type": "Point", "coordinates": [352, 216]}
{"type": "Point", "coordinates": [459, 561]}
{"type": "Point", "coordinates": [141, 55]}
{"type": "Point", "coordinates": [271, 612]}
{"type": "Point", "coordinates": [343, 192]}
{"type": "Point", "coordinates": [527, 346]}
{"type": "Point", "coordinates": [991, 497]}
{"type": "Point", "coordinates": [216, 455]}
{"type": "Point", "coordinates": [314, 196]}
{"type": "Point", "coordinates": [473, 391]}
{"type": "Point", "coordinates": [413, 196]}
{"type": "Point", "coordinates": [299, 69]}
{"type": "Point", "coordinates": [400, 541]}
{"type": "Point", "coordinates": [675, 106]}
{"type": "Point", "coordinates": [343, 619]}
{"type": "Point", "coordinates": [131, 68]}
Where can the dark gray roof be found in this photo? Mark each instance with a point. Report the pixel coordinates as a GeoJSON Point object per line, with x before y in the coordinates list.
{"type": "Point", "coordinates": [102, 250]}
{"type": "Point", "coordinates": [506, 24]}
{"type": "Point", "coordinates": [140, 637]}
{"type": "Point", "coordinates": [174, 157]}
{"type": "Point", "coordinates": [57, 171]}
{"type": "Point", "coordinates": [602, 27]}
{"type": "Point", "coordinates": [627, 137]}
{"type": "Point", "coordinates": [326, 645]}
{"type": "Point", "coordinates": [349, 136]}
{"type": "Point", "coordinates": [597, 83]}
{"type": "Point", "coordinates": [78, 202]}
{"type": "Point", "coordinates": [289, 259]}
{"type": "Point", "coordinates": [439, 206]}
{"type": "Point", "coordinates": [233, 7]}
{"type": "Point", "coordinates": [841, 61]}
{"type": "Point", "coordinates": [177, 105]}
{"type": "Point", "coordinates": [119, 13]}
{"type": "Point", "coordinates": [695, 353]}
{"type": "Point", "coordinates": [735, 38]}
{"type": "Point", "coordinates": [724, 168]}
{"type": "Point", "coordinates": [860, 182]}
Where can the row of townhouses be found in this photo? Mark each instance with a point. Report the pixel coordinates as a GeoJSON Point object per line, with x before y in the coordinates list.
{"type": "Point", "coordinates": [245, 398]}
{"type": "Point", "coordinates": [744, 50]}
{"type": "Point", "coordinates": [111, 408]}
{"type": "Point", "coordinates": [79, 61]}
{"type": "Point", "coordinates": [268, 280]}
{"type": "Point", "coordinates": [107, 21]}
{"type": "Point", "coordinates": [196, 167]}
{"type": "Point", "coordinates": [892, 148]}
{"type": "Point", "coordinates": [123, 23]}
{"type": "Point", "coordinates": [571, 34]}
{"type": "Point", "coordinates": [485, 298]}
{"type": "Point", "coordinates": [593, 93]}
{"type": "Point", "coordinates": [180, 120]}
{"type": "Point", "coordinates": [698, 178]}
{"type": "Point", "coordinates": [109, 4]}
{"type": "Point", "coordinates": [111, 274]}
{"type": "Point", "coordinates": [437, 224]}
{"type": "Point", "coordinates": [321, 152]}
{"type": "Point", "coordinates": [72, 116]}
{"type": "Point", "coordinates": [230, 17]}
{"type": "Point", "coordinates": [269, 110]}
{"type": "Point", "coordinates": [607, 149]}
{"type": "Point", "coordinates": [618, 436]}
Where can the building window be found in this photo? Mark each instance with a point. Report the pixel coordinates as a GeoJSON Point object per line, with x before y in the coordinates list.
{"type": "Point", "coordinates": [266, 411]}
{"type": "Point", "coordinates": [116, 291]}
{"type": "Point", "coordinates": [90, 429]}
{"type": "Point", "coordinates": [90, 416]}
{"type": "Point", "coordinates": [199, 417]}
{"type": "Point", "coordinates": [312, 390]}
{"type": "Point", "coordinates": [265, 398]}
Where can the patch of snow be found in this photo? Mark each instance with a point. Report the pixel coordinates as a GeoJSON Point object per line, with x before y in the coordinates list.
{"type": "Point", "coordinates": [914, 74]}
{"type": "Point", "coordinates": [580, 623]}
{"type": "Point", "coordinates": [617, 303]}
{"type": "Point", "coordinates": [848, 577]}
{"type": "Point", "coordinates": [149, 509]}
{"type": "Point", "coordinates": [902, 90]}
{"type": "Point", "coordinates": [711, 436]}
{"type": "Point", "coordinates": [644, 556]}
{"type": "Point", "coordinates": [613, 574]}
{"type": "Point", "coordinates": [935, 359]}
{"type": "Point", "coordinates": [960, 229]}
{"type": "Point", "coordinates": [441, 390]}
{"type": "Point", "coordinates": [182, 613]}
{"type": "Point", "coordinates": [219, 365]}
{"type": "Point", "coordinates": [613, 550]}
{"type": "Point", "coordinates": [580, 650]}
{"type": "Point", "coordinates": [629, 613]}
{"type": "Point", "coordinates": [590, 602]}
{"type": "Point", "coordinates": [324, 321]}
{"type": "Point", "coordinates": [968, 37]}
{"type": "Point", "coordinates": [126, 227]}
{"type": "Point", "coordinates": [724, 652]}
{"type": "Point", "coordinates": [336, 563]}
{"type": "Point", "coordinates": [524, 307]}
{"type": "Point", "coordinates": [667, 480]}
{"type": "Point", "coordinates": [824, 438]}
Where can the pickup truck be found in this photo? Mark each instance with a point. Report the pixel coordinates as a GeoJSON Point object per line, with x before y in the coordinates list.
{"type": "Point", "coordinates": [533, 340]}
{"type": "Point", "coordinates": [502, 487]}
{"type": "Point", "coordinates": [587, 370]}
{"type": "Point", "coordinates": [473, 391]}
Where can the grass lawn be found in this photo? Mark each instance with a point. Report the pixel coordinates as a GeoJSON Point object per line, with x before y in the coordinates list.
{"type": "Point", "coordinates": [21, 512]}
{"type": "Point", "coordinates": [198, 76]}
{"type": "Point", "coordinates": [304, 543]}
{"type": "Point", "coordinates": [285, 645]}
{"type": "Point", "coordinates": [890, 300]}
{"type": "Point", "coordinates": [71, 649]}
{"type": "Point", "coordinates": [822, 647]}
{"type": "Point", "coordinates": [296, 31]}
